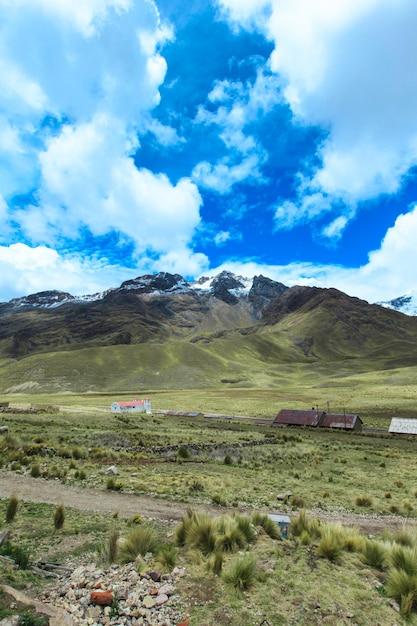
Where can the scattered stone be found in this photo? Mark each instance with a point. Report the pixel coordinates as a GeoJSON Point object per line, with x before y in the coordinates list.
{"type": "Point", "coordinates": [155, 575]}
{"type": "Point", "coordinates": [103, 598]}
{"type": "Point", "coordinates": [111, 471]}
{"type": "Point", "coordinates": [131, 595]}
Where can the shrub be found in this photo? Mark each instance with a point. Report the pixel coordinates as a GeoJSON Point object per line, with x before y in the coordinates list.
{"type": "Point", "coordinates": [394, 509]}
{"type": "Point", "coordinates": [139, 541]}
{"type": "Point", "coordinates": [12, 507]}
{"type": "Point", "coordinates": [387, 495]}
{"type": "Point", "coordinates": [399, 483]}
{"type": "Point", "coordinates": [228, 460]}
{"type": "Point", "coordinates": [331, 542]}
{"type": "Point", "coordinates": [241, 574]}
{"type": "Point", "coordinates": [59, 517]}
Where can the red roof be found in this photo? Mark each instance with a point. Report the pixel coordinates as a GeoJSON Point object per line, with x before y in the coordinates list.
{"type": "Point", "coordinates": [340, 420]}
{"type": "Point", "coordinates": [294, 417]}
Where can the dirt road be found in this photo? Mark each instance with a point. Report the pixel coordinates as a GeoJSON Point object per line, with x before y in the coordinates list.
{"type": "Point", "coordinates": [102, 501]}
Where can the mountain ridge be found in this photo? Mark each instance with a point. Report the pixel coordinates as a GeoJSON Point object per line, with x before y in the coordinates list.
{"type": "Point", "coordinates": [160, 330]}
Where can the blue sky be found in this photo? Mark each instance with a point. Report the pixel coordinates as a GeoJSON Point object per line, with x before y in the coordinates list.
{"type": "Point", "coordinates": [264, 137]}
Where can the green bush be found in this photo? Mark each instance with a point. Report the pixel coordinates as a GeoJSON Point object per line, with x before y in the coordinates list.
{"type": "Point", "coordinates": [240, 576]}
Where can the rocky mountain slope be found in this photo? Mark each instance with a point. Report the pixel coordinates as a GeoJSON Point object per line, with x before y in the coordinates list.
{"type": "Point", "coordinates": [163, 331]}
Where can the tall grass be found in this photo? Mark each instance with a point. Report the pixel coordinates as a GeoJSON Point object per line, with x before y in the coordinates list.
{"type": "Point", "coordinates": [264, 521]}
{"type": "Point", "coordinates": [331, 544]}
{"type": "Point", "coordinates": [139, 541]}
{"type": "Point", "coordinates": [12, 506]}
{"type": "Point", "coordinates": [240, 575]}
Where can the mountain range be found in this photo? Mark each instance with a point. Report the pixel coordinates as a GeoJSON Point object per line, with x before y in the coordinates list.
{"type": "Point", "coordinates": [160, 331]}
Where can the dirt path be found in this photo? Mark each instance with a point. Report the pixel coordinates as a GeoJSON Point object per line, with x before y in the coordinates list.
{"type": "Point", "coordinates": [101, 501]}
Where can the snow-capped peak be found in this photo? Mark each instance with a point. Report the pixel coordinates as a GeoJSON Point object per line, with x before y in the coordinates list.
{"type": "Point", "coordinates": [405, 304]}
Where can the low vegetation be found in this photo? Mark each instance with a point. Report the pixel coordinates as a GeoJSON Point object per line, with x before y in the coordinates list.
{"type": "Point", "coordinates": [239, 567]}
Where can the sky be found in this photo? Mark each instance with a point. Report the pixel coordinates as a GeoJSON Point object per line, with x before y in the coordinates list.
{"type": "Point", "coordinates": [273, 137]}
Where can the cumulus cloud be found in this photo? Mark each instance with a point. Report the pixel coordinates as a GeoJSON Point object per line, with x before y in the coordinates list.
{"type": "Point", "coordinates": [385, 276]}
{"type": "Point", "coordinates": [75, 96]}
{"type": "Point", "coordinates": [233, 106]}
{"type": "Point", "coordinates": [349, 68]}
{"type": "Point", "coordinates": [25, 270]}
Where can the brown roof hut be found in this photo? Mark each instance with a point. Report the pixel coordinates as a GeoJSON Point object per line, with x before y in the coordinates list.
{"type": "Point", "coordinates": [295, 417]}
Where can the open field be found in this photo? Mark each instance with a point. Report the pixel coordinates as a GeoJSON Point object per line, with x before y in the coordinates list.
{"type": "Point", "coordinates": [223, 466]}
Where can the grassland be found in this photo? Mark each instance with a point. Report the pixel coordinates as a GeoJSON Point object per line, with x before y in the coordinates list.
{"type": "Point", "coordinates": [327, 473]}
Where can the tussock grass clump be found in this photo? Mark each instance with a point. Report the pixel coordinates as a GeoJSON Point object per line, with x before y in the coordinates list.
{"type": "Point", "coordinates": [214, 563]}
{"type": "Point", "coordinates": [298, 503]}
{"type": "Point", "coordinates": [139, 541]}
{"type": "Point", "coordinates": [183, 452]}
{"type": "Point", "coordinates": [229, 538]}
{"type": "Point", "coordinates": [59, 517]}
{"type": "Point", "coordinates": [201, 534]}
{"type": "Point", "coordinates": [240, 576]}
{"type": "Point", "coordinates": [365, 501]}
{"type": "Point", "coordinates": [114, 485]}
{"type": "Point", "coordinates": [166, 556]}
{"type": "Point", "coordinates": [265, 522]}
{"type": "Point", "coordinates": [303, 523]}
{"type": "Point", "coordinates": [12, 506]}
{"type": "Point", "coordinates": [331, 544]}
{"type": "Point", "coordinates": [404, 537]}
{"type": "Point", "coordinates": [246, 527]}
{"type": "Point", "coordinates": [404, 558]}
{"type": "Point", "coordinates": [35, 470]}
{"type": "Point", "coordinates": [353, 540]}
{"type": "Point", "coordinates": [374, 554]}
{"type": "Point", "coordinates": [108, 551]}
{"type": "Point", "coordinates": [403, 588]}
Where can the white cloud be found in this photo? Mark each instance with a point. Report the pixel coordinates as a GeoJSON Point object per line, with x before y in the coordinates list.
{"type": "Point", "coordinates": [237, 105]}
{"type": "Point", "coordinates": [348, 67]}
{"type": "Point", "coordinates": [95, 67]}
{"type": "Point", "coordinates": [385, 276]}
{"type": "Point", "coordinates": [25, 270]}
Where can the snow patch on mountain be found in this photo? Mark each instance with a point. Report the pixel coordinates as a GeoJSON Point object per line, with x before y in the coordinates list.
{"type": "Point", "coordinates": [406, 304]}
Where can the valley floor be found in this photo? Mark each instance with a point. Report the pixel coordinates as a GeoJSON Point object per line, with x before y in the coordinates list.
{"type": "Point", "coordinates": [39, 490]}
